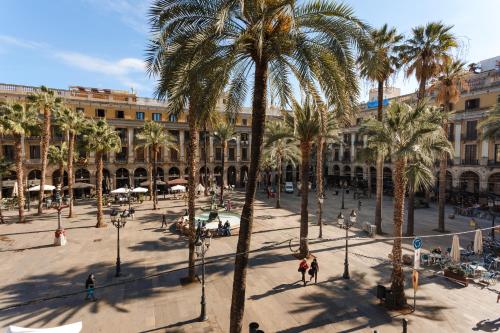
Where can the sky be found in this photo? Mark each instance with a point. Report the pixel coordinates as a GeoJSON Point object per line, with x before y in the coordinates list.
{"type": "Point", "coordinates": [101, 43]}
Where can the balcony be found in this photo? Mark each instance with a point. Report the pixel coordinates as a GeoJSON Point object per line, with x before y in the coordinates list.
{"type": "Point", "coordinates": [470, 137]}
{"type": "Point", "coordinates": [469, 162]}
{"type": "Point", "coordinates": [493, 163]}
{"type": "Point", "coordinates": [346, 159]}
{"type": "Point", "coordinates": [33, 161]}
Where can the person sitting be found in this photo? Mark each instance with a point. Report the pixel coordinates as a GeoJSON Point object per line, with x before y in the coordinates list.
{"type": "Point", "coordinates": [227, 229]}
{"type": "Point", "coordinates": [220, 229]}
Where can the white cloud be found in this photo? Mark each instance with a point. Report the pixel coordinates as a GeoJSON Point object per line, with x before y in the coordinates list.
{"type": "Point", "coordinates": [133, 13]}
{"type": "Point", "coordinates": [93, 64]}
{"type": "Point", "coordinates": [17, 42]}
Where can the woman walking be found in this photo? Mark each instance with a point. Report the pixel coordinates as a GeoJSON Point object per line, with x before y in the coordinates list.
{"type": "Point", "coordinates": [90, 286]}
{"type": "Point", "coordinates": [313, 271]}
{"type": "Point", "coordinates": [303, 266]}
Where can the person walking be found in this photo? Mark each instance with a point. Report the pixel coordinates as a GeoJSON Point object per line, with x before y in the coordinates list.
{"type": "Point", "coordinates": [303, 266]}
{"type": "Point", "coordinates": [313, 271]}
{"type": "Point", "coordinates": [163, 221]}
{"type": "Point", "coordinates": [90, 287]}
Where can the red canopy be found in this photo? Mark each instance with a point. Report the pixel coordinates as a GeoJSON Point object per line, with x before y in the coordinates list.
{"type": "Point", "coordinates": [178, 181]}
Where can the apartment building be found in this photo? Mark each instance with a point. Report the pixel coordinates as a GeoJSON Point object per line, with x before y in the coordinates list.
{"type": "Point", "coordinates": [475, 165]}
{"type": "Point", "coordinates": [126, 113]}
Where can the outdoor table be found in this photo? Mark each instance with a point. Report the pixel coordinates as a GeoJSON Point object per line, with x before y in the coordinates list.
{"type": "Point", "coordinates": [435, 257]}
{"type": "Point", "coordinates": [478, 269]}
{"type": "Point", "coordinates": [496, 261]}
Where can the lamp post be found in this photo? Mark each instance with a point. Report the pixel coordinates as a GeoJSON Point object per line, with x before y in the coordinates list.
{"type": "Point", "coordinates": [347, 225]}
{"type": "Point", "coordinates": [29, 195]}
{"type": "Point", "coordinates": [131, 188]}
{"type": "Point", "coordinates": [119, 222]}
{"type": "Point", "coordinates": [201, 246]}
{"type": "Point", "coordinates": [321, 200]}
{"type": "Point", "coordinates": [343, 185]}
{"type": "Point", "coordinates": [60, 236]}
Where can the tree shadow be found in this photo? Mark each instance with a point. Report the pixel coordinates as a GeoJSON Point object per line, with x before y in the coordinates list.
{"type": "Point", "coordinates": [487, 325]}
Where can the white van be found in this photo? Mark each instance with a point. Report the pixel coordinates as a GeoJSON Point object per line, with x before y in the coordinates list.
{"type": "Point", "coordinates": [288, 187]}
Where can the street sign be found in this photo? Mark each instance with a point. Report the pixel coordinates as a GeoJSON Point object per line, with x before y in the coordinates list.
{"type": "Point", "coordinates": [417, 243]}
{"type": "Point", "coordinates": [416, 259]}
{"type": "Point", "coordinates": [415, 280]}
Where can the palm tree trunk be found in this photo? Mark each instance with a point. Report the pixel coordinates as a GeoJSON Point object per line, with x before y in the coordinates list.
{"type": "Point", "coordinates": [71, 149]}
{"type": "Point", "coordinates": [150, 175]}
{"type": "Point", "coordinates": [61, 175]}
{"type": "Point", "coordinates": [278, 194]}
{"type": "Point", "coordinates": [1, 188]}
{"type": "Point", "coordinates": [319, 182]}
{"type": "Point", "coordinates": [222, 174]}
{"type": "Point", "coordinates": [305, 149]}
{"type": "Point", "coordinates": [100, 215]}
{"type": "Point", "coordinates": [380, 164]}
{"type": "Point", "coordinates": [205, 157]}
{"type": "Point", "coordinates": [193, 168]}
{"type": "Point", "coordinates": [20, 176]}
{"type": "Point", "coordinates": [241, 261]}
{"type": "Point", "coordinates": [442, 179]}
{"type": "Point", "coordinates": [155, 192]}
{"type": "Point", "coordinates": [45, 152]}
{"type": "Point", "coordinates": [369, 180]}
{"type": "Point", "coordinates": [410, 226]}
{"type": "Point", "coordinates": [397, 277]}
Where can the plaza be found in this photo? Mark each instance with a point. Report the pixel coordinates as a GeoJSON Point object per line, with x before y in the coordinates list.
{"type": "Point", "coordinates": [44, 285]}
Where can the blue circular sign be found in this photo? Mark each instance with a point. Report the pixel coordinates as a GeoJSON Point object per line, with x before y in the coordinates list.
{"type": "Point", "coordinates": [417, 243]}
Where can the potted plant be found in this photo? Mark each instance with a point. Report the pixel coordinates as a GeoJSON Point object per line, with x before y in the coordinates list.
{"type": "Point", "coordinates": [456, 273]}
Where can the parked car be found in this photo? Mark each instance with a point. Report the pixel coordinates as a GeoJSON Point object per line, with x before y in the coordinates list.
{"type": "Point", "coordinates": [289, 187]}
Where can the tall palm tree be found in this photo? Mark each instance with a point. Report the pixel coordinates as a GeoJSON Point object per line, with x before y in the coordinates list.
{"type": "Point", "coordinates": [153, 137]}
{"type": "Point", "coordinates": [272, 41]}
{"type": "Point", "coordinates": [101, 139]}
{"type": "Point", "coordinates": [45, 102]}
{"type": "Point", "coordinates": [448, 86]}
{"type": "Point", "coordinates": [5, 170]}
{"type": "Point", "coordinates": [224, 131]}
{"type": "Point", "coordinates": [490, 125]}
{"type": "Point", "coordinates": [72, 123]}
{"type": "Point", "coordinates": [377, 63]}
{"type": "Point", "coordinates": [20, 122]}
{"type": "Point", "coordinates": [413, 135]}
{"type": "Point", "coordinates": [368, 156]}
{"type": "Point", "coordinates": [424, 54]}
{"type": "Point", "coordinates": [58, 156]}
{"type": "Point", "coordinates": [280, 150]}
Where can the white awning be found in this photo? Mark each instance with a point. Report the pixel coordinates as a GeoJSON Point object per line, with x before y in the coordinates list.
{"type": "Point", "coordinates": [71, 328]}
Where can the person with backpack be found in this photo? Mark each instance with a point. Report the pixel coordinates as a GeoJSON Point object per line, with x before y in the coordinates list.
{"type": "Point", "coordinates": [90, 287]}
{"type": "Point", "coordinates": [313, 271]}
{"type": "Point", "coordinates": [303, 266]}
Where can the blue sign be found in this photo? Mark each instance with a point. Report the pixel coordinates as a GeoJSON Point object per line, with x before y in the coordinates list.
{"type": "Point", "coordinates": [417, 243]}
{"type": "Point", "coordinates": [374, 104]}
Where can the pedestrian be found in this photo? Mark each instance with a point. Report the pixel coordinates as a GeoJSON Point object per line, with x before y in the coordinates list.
{"type": "Point", "coordinates": [498, 297]}
{"type": "Point", "coordinates": [163, 221]}
{"type": "Point", "coordinates": [303, 266]}
{"type": "Point", "coordinates": [90, 286]}
{"type": "Point", "coordinates": [313, 271]}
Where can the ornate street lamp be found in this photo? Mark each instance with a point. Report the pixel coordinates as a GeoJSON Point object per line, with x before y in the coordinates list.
{"type": "Point", "coordinates": [119, 222]}
{"type": "Point", "coordinates": [201, 245]}
{"type": "Point", "coordinates": [347, 225]}
{"type": "Point", "coordinates": [60, 234]}
{"type": "Point", "coordinates": [29, 195]}
{"type": "Point", "coordinates": [343, 185]}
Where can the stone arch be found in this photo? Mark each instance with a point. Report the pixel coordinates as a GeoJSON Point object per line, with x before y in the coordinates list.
{"type": "Point", "coordinates": [231, 175]}
{"type": "Point", "coordinates": [107, 183]}
{"type": "Point", "coordinates": [82, 175]}
{"type": "Point", "coordinates": [56, 176]}
{"type": "Point", "coordinates": [140, 176]}
{"type": "Point", "coordinates": [289, 173]}
{"type": "Point", "coordinates": [494, 183]}
{"type": "Point", "coordinates": [122, 177]}
{"type": "Point", "coordinates": [244, 175]}
{"type": "Point", "coordinates": [218, 175]}
{"type": "Point", "coordinates": [173, 173]}
{"type": "Point", "coordinates": [359, 173]}
{"type": "Point", "coordinates": [34, 177]}
{"type": "Point", "coordinates": [469, 182]}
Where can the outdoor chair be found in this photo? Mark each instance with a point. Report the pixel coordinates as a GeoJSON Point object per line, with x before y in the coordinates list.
{"type": "Point", "coordinates": [424, 259]}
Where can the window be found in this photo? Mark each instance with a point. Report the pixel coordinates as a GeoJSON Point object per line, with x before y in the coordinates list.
{"type": "Point", "coordinates": [100, 113]}
{"type": "Point", "coordinates": [347, 138]}
{"type": "Point", "coordinates": [139, 115]}
{"type": "Point", "coordinates": [498, 98]}
{"type": "Point", "coordinates": [471, 133]}
{"type": "Point", "coordinates": [358, 121]}
{"type": "Point", "coordinates": [35, 152]}
{"type": "Point", "coordinates": [336, 155]}
{"type": "Point", "coordinates": [244, 122]}
{"type": "Point", "coordinates": [172, 118]}
{"type": "Point", "coordinates": [451, 132]}
{"type": "Point", "coordinates": [231, 154]}
{"type": "Point", "coordinates": [244, 136]}
{"type": "Point", "coordinates": [218, 154]}
{"type": "Point", "coordinates": [244, 154]}
{"type": "Point", "coordinates": [472, 104]}
{"type": "Point", "coordinates": [122, 133]}
{"type": "Point", "coordinates": [347, 156]}
{"type": "Point", "coordinates": [120, 114]}
{"type": "Point", "coordinates": [8, 153]}
{"type": "Point", "coordinates": [202, 153]}
{"type": "Point", "coordinates": [82, 154]}
{"type": "Point", "coordinates": [173, 155]}
{"type": "Point", "coordinates": [470, 154]}
{"type": "Point", "coordinates": [57, 133]}
{"type": "Point", "coordinates": [156, 116]}
{"type": "Point", "coordinates": [122, 155]}
{"type": "Point", "coordinates": [80, 110]}
{"type": "Point", "coordinates": [497, 153]}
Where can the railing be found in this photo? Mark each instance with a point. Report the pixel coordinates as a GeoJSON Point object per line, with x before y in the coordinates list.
{"type": "Point", "coordinates": [470, 137]}
{"type": "Point", "coordinates": [33, 161]}
{"type": "Point", "coordinates": [493, 163]}
{"type": "Point", "coordinates": [470, 162]}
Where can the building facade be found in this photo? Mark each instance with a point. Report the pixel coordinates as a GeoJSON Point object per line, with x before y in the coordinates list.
{"type": "Point", "coordinates": [126, 113]}
{"type": "Point", "coordinates": [475, 165]}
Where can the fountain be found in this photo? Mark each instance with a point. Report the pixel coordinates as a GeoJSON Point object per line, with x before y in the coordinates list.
{"type": "Point", "coordinates": [210, 218]}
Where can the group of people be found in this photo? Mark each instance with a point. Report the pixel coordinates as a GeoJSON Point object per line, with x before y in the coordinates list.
{"type": "Point", "coordinates": [311, 270]}
{"type": "Point", "coordinates": [224, 229]}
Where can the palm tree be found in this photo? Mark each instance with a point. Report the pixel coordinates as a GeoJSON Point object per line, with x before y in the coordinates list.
{"type": "Point", "coordinates": [448, 86]}
{"type": "Point", "coordinates": [490, 126]}
{"type": "Point", "coordinates": [280, 150]}
{"type": "Point", "coordinates": [58, 155]}
{"type": "Point", "coordinates": [369, 156]}
{"type": "Point", "coordinates": [378, 63]}
{"type": "Point", "coordinates": [101, 139]}
{"type": "Point", "coordinates": [415, 136]}
{"type": "Point", "coordinates": [44, 101]}
{"type": "Point", "coordinates": [20, 122]}
{"type": "Point", "coordinates": [5, 170]}
{"type": "Point", "coordinates": [271, 40]}
{"type": "Point", "coordinates": [153, 137]}
{"type": "Point", "coordinates": [72, 123]}
{"type": "Point", "coordinates": [224, 131]}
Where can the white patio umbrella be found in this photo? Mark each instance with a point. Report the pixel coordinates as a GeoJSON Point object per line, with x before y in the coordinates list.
{"type": "Point", "coordinates": [139, 190]}
{"type": "Point", "coordinates": [15, 190]}
{"type": "Point", "coordinates": [71, 328]}
{"type": "Point", "coordinates": [45, 188]}
{"type": "Point", "coordinates": [121, 190]}
{"type": "Point", "coordinates": [478, 242]}
{"type": "Point", "coordinates": [179, 188]}
{"type": "Point", "coordinates": [158, 182]}
{"type": "Point", "coordinates": [455, 249]}
{"type": "Point", "coordinates": [199, 188]}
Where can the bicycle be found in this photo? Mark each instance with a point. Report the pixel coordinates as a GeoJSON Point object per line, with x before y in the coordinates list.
{"type": "Point", "coordinates": [490, 277]}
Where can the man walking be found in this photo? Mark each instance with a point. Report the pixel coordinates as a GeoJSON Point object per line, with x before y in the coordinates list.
{"type": "Point", "coordinates": [163, 221]}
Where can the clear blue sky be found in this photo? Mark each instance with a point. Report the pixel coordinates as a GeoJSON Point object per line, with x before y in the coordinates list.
{"type": "Point", "coordinates": [100, 43]}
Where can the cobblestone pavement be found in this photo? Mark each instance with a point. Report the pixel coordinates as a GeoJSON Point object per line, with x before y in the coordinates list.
{"type": "Point", "coordinates": [41, 285]}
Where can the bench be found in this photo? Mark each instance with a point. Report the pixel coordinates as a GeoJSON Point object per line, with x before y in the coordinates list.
{"type": "Point", "coordinates": [369, 228]}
